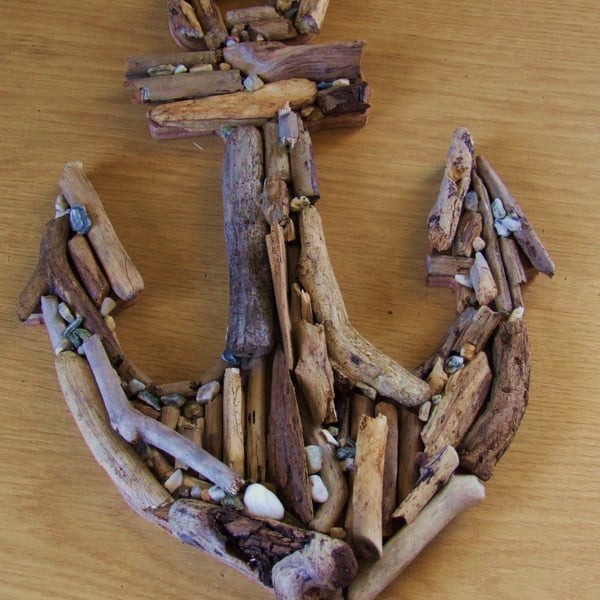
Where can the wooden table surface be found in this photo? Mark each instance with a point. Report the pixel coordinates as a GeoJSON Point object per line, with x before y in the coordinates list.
{"type": "Point", "coordinates": [523, 76]}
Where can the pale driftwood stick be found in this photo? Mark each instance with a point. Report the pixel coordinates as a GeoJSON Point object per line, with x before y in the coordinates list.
{"type": "Point", "coordinates": [184, 26]}
{"type": "Point", "coordinates": [285, 445]}
{"type": "Point", "coordinates": [437, 378]}
{"type": "Point", "coordinates": [213, 427]}
{"type": "Point", "coordinates": [483, 280]}
{"type": "Point", "coordinates": [233, 420]}
{"type": "Point", "coordinates": [444, 265]}
{"type": "Point", "coordinates": [359, 405]}
{"type": "Point", "coordinates": [278, 555]}
{"type": "Point", "coordinates": [464, 395]}
{"type": "Point", "coordinates": [367, 491]}
{"type": "Point", "coordinates": [277, 160]}
{"type": "Point", "coordinates": [132, 425]}
{"type": "Point", "coordinates": [193, 430]}
{"type": "Point", "coordinates": [461, 492]}
{"type": "Point", "coordinates": [289, 125]}
{"type": "Point", "coordinates": [126, 469]}
{"type": "Point", "coordinates": [344, 99]}
{"type": "Point", "coordinates": [275, 199]}
{"type": "Point", "coordinates": [445, 214]}
{"type": "Point", "coordinates": [300, 305]}
{"type": "Point", "coordinates": [55, 324]}
{"type": "Point", "coordinates": [251, 325]}
{"type": "Point", "coordinates": [492, 249]}
{"type": "Point", "coordinates": [279, 275]}
{"type": "Point", "coordinates": [355, 355]}
{"type": "Point", "coordinates": [313, 371]}
{"type": "Point", "coordinates": [302, 164]}
{"type": "Point", "coordinates": [469, 228]}
{"type": "Point", "coordinates": [390, 467]}
{"type": "Point", "coordinates": [138, 66]}
{"type": "Point", "coordinates": [256, 420]}
{"type": "Point", "coordinates": [477, 333]}
{"type": "Point", "coordinates": [526, 237]}
{"type": "Point", "coordinates": [186, 85]}
{"type": "Point", "coordinates": [53, 275]}
{"type": "Point", "coordinates": [211, 20]}
{"type": "Point", "coordinates": [434, 475]}
{"type": "Point", "coordinates": [492, 433]}
{"type": "Point", "coordinates": [90, 272]}
{"type": "Point", "coordinates": [515, 271]}
{"type": "Point", "coordinates": [128, 370]}
{"type": "Point", "coordinates": [274, 61]}
{"type": "Point", "coordinates": [409, 448]}
{"type": "Point", "coordinates": [310, 16]}
{"type": "Point", "coordinates": [212, 113]}
{"type": "Point", "coordinates": [241, 16]}
{"type": "Point", "coordinates": [125, 280]}
{"type": "Point", "coordinates": [169, 416]}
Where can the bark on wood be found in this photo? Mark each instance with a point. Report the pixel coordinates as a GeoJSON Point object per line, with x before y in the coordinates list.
{"type": "Point", "coordinates": [445, 214]}
{"type": "Point", "coordinates": [343, 99]}
{"type": "Point", "coordinates": [277, 160]}
{"type": "Point", "coordinates": [409, 448]}
{"type": "Point", "coordinates": [138, 66]}
{"type": "Point", "coordinates": [464, 395]}
{"type": "Point", "coordinates": [477, 333]}
{"type": "Point", "coordinates": [310, 16]}
{"type": "Point", "coordinates": [184, 26]}
{"type": "Point", "coordinates": [492, 433]}
{"type": "Point", "coordinates": [250, 328]}
{"type": "Point", "coordinates": [256, 420]}
{"type": "Point", "coordinates": [355, 355]}
{"type": "Point", "coordinates": [211, 20]}
{"type": "Point", "coordinates": [434, 475]}
{"type": "Point", "coordinates": [274, 61]}
{"type": "Point", "coordinates": [367, 492]}
{"type": "Point", "coordinates": [285, 443]}
{"type": "Point", "coordinates": [233, 420]}
{"type": "Point", "coordinates": [462, 492]}
{"type": "Point", "coordinates": [210, 114]}
{"type": "Point", "coordinates": [302, 165]}
{"type": "Point", "coordinates": [89, 271]}
{"type": "Point", "coordinates": [526, 237]}
{"type": "Point", "coordinates": [53, 275]}
{"type": "Point", "coordinates": [122, 464]}
{"type": "Point", "coordinates": [186, 85]}
{"type": "Point", "coordinates": [125, 280]}
{"type": "Point", "coordinates": [492, 249]}
{"type": "Point", "coordinates": [241, 16]}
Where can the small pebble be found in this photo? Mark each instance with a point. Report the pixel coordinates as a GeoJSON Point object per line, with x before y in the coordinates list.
{"type": "Point", "coordinates": [424, 411]}
{"type": "Point", "coordinates": [314, 458]}
{"type": "Point", "coordinates": [149, 399]}
{"type": "Point", "coordinates": [61, 206]}
{"type": "Point", "coordinates": [174, 481]}
{"type": "Point", "coordinates": [224, 66]}
{"type": "Point", "coordinates": [500, 228]}
{"type": "Point", "coordinates": [478, 244]}
{"type": "Point", "coordinates": [216, 494]}
{"type": "Point", "coordinates": [176, 400]}
{"type": "Point", "coordinates": [498, 209]}
{"type": "Point", "coordinates": [463, 280]}
{"type": "Point", "coordinates": [338, 533]}
{"type": "Point", "coordinates": [135, 386]}
{"type": "Point", "coordinates": [193, 409]}
{"type": "Point", "coordinates": [160, 70]}
{"type": "Point", "coordinates": [234, 502]}
{"type": "Point", "coordinates": [512, 222]}
{"type": "Point", "coordinates": [79, 219]}
{"type": "Point", "coordinates": [110, 322]}
{"type": "Point", "coordinates": [180, 69]}
{"type": "Point", "coordinates": [298, 203]}
{"type": "Point", "coordinates": [318, 491]}
{"type": "Point", "coordinates": [72, 326]}
{"type": "Point", "coordinates": [230, 358]}
{"type": "Point", "coordinates": [454, 363]}
{"type": "Point", "coordinates": [348, 465]}
{"type": "Point", "coordinates": [341, 82]}
{"type": "Point", "coordinates": [471, 201]}
{"type": "Point", "coordinates": [107, 306]}
{"type": "Point", "coordinates": [231, 41]}
{"type": "Point", "coordinates": [345, 452]}
{"type": "Point", "coordinates": [208, 392]}
{"type": "Point", "coordinates": [253, 82]}
{"type": "Point", "coordinates": [65, 312]}
{"type": "Point", "coordinates": [435, 400]}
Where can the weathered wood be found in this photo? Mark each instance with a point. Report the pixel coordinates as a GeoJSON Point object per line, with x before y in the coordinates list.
{"type": "Point", "coordinates": [138, 66]}
{"type": "Point", "coordinates": [184, 26]}
{"type": "Point", "coordinates": [476, 334]}
{"type": "Point", "coordinates": [213, 427]}
{"type": "Point", "coordinates": [310, 15]}
{"type": "Point", "coordinates": [483, 280]}
{"type": "Point", "coordinates": [489, 437]}
{"type": "Point", "coordinates": [233, 420]}
{"type": "Point", "coordinates": [344, 99]}
{"type": "Point", "coordinates": [445, 265]}
{"type": "Point", "coordinates": [211, 20]}
{"type": "Point", "coordinates": [277, 160]}
{"type": "Point", "coordinates": [360, 406]}
{"type": "Point", "coordinates": [409, 448]}
{"type": "Point", "coordinates": [302, 165]}
{"type": "Point", "coordinates": [250, 330]}
{"type": "Point", "coordinates": [256, 420]}
{"type": "Point", "coordinates": [515, 271]}
{"type": "Point", "coordinates": [89, 271]}
{"type": "Point", "coordinates": [469, 228]}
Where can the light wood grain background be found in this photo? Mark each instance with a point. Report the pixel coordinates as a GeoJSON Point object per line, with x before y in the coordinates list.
{"type": "Point", "coordinates": [523, 76]}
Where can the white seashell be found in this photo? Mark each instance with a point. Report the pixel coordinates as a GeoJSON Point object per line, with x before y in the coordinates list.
{"type": "Point", "coordinates": [208, 392]}
{"type": "Point", "coordinates": [174, 481]}
{"type": "Point", "coordinates": [107, 306]}
{"type": "Point", "coordinates": [314, 458]}
{"type": "Point", "coordinates": [261, 502]}
{"type": "Point", "coordinates": [318, 491]}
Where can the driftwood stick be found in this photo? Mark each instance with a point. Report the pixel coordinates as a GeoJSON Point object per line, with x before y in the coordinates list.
{"type": "Point", "coordinates": [53, 275]}
{"type": "Point", "coordinates": [211, 20]}
{"type": "Point", "coordinates": [310, 16]}
{"type": "Point", "coordinates": [461, 492]}
{"type": "Point", "coordinates": [367, 490]}
{"type": "Point", "coordinates": [126, 469]}
{"type": "Point", "coordinates": [317, 122]}
{"type": "Point", "coordinates": [360, 405]}
{"type": "Point", "coordinates": [277, 159]}
{"type": "Point", "coordinates": [256, 420]}
{"type": "Point", "coordinates": [463, 397]}
{"type": "Point", "coordinates": [90, 272]}
{"type": "Point", "coordinates": [492, 249]}
{"type": "Point", "coordinates": [344, 99]}
{"type": "Point", "coordinates": [469, 228]}
{"type": "Point", "coordinates": [55, 325]}
{"type": "Point", "coordinates": [275, 29]}
{"type": "Point", "coordinates": [526, 237]}
{"type": "Point", "coordinates": [285, 443]}
{"type": "Point", "coordinates": [275, 200]}
{"type": "Point", "coordinates": [132, 425]}
{"type": "Point", "coordinates": [184, 26]}
{"type": "Point", "coordinates": [476, 334]}
{"type": "Point", "coordinates": [409, 449]}
{"type": "Point", "coordinates": [138, 66]}
{"type": "Point", "coordinates": [213, 427]}
{"type": "Point", "coordinates": [355, 355]}
{"type": "Point", "coordinates": [515, 271]}
{"type": "Point", "coordinates": [445, 214]}
{"type": "Point", "coordinates": [169, 416]}
{"type": "Point", "coordinates": [492, 433]}
{"type": "Point", "coordinates": [274, 61]}
{"type": "Point", "coordinates": [242, 16]}
{"type": "Point", "coordinates": [434, 475]}
{"type": "Point", "coordinates": [233, 420]}
{"type": "Point", "coordinates": [302, 164]}
{"type": "Point", "coordinates": [483, 280]}
{"type": "Point", "coordinates": [251, 324]}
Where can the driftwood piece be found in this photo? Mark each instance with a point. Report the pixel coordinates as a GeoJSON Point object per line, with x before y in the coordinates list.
{"type": "Point", "coordinates": [483, 280]}
{"type": "Point", "coordinates": [475, 335]}
{"type": "Point", "coordinates": [274, 61]}
{"type": "Point", "coordinates": [302, 165]}
{"type": "Point", "coordinates": [241, 16]}
{"type": "Point", "coordinates": [434, 475]}
{"type": "Point", "coordinates": [492, 433]}
{"type": "Point", "coordinates": [133, 425]}
{"type": "Point", "coordinates": [515, 271]}
{"type": "Point", "coordinates": [213, 427]}
{"type": "Point", "coordinates": [360, 405]}
{"type": "Point", "coordinates": [122, 464]}
{"type": "Point", "coordinates": [445, 265]}
{"type": "Point", "coordinates": [186, 85]}
{"type": "Point", "coordinates": [492, 249]}
{"type": "Point", "coordinates": [55, 324]}
{"type": "Point", "coordinates": [343, 121]}
{"type": "Point", "coordinates": [367, 490]}
{"type": "Point", "coordinates": [53, 275]}
{"type": "Point", "coordinates": [89, 271]}
{"type": "Point", "coordinates": [343, 99]}
{"type": "Point", "coordinates": [463, 397]}
{"type": "Point", "coordinates": [355, 355]}
{"type": "Point", "coordinates": [469, 228]}
{"type": "Point", "coordinates": [526, 237]}
{"type": "Point", "coordinates": [256, 420]}
{"type": "Point", "coordinates": [276, 29]}
{"type": "Point", "coordinates": [125, 280]}
{"type": "Point", "coordinates": [211, 20]}
{"type": "Point", "coordinates": [290, 559]}
{"type": "Point", "coordinates": [251, 324]}
{"type": "Point", "coordinates": [310, 16]}
{"type": "Point", "coordinates": [184, 26]}
{"type": "Point", "coordinates": [461, 492]}
{"type": "Point", "coordinates": [209, 115]}
{"type": "Point", "coordinates": [445, 214]}
{"type": "Point", "coordinates": [285, 444]}
{"type": "Point", "coordinates": [275, 199]}
{"type": "Point", "coordinates": [233, 420]}
{"type": "Point", "coordinates": [138, 66]}
{"type": "Point", "coordinates": [410, 446]}
{"type": "Point", "coordinates": [277, 160]}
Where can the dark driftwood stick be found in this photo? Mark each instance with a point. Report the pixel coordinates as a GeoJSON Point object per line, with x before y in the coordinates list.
{"type": "Point", "coordinates": [251, 308]}
{"type": "Point", "coordinates": [515, 271]}
{"type": "Point", "coordinates": [409, 432]}
{"type": "Point", "coordinates": [492, 433]}
{"type": "Point", "coordinates": [469, 227]}
{"type": "Point", "coordinates": [475, 336]}
{"type": "Point", "coordinates": [344, 99]}
{"type": "Point", "coordinates": [90, 272]}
